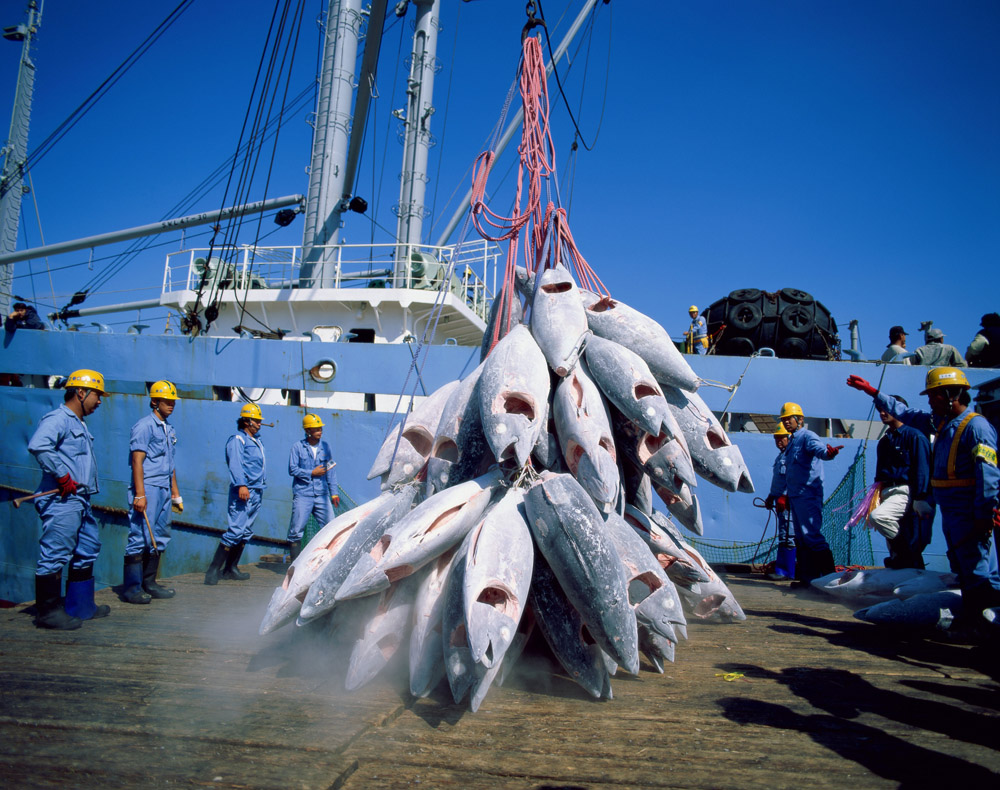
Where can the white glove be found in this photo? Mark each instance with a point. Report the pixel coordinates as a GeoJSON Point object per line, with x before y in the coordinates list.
{"type": "Point", "coordinates": [923, 508]}
{"type": "Point", "coordinates": [177, 504]}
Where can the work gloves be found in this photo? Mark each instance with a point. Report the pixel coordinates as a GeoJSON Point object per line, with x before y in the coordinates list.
{"type": "Point", "coordinates": [67, 485]}
{"type": "Point", "coordinates": [780, 504]}
{"type": "Point", "coordinates": [831, 451]}
{"type": "Point", "coordinates": [177, 504]}
{"type": "Point", "coordinates": [859, 383]}
{"type": "Point", "coordinates": [335, 500]}
{"type": "Point", "coordinates": [923, 508]}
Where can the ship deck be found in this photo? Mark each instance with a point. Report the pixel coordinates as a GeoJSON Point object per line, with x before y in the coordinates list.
{"type": "Point", "coordinates": [183, 693]}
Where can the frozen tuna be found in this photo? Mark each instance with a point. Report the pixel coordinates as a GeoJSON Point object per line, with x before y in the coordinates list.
{"type": "Point", "coordinates": [558, 320]}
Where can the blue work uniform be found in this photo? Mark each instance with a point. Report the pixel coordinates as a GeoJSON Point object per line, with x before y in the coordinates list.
{"type": "Point", "coordinates": [310, 494]}
{"type": "Point", "coordinates": [62, 445]}
{"type": "Point", "coordinates": [245, 458]}
{"type": "Point", "coordinates": [699, 335]}
{"type": "Point", "coordinates": [903, 457]}
{"type": "Point", "coordinates": [157, 439]}
{"type": "Point", "coordinates": [780, 488]}
{"type": "Point", "coordinates": [804, 479]}
{"type": "Point", "coordinates": [965, 483]}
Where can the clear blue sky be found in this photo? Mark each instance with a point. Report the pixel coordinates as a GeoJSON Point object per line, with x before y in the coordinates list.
{"type": "Point", "coordinates": [849, 149]}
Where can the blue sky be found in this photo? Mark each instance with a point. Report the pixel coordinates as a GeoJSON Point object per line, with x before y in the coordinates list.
{"type": "Point", "coordinates": [849, 149]}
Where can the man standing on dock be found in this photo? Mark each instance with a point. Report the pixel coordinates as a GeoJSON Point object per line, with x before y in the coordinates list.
{"type": "Point", "coordinates": [314, 481]}
{"type": "Point", "coordinates": [247, 481]}
{"type": "Point", "coordinates": [64, 448]}
{"type": "Point", "coordinates": [777, 499]}
{"type": "Point", "coordinates": [804, 478]}
{"type": "Point", "coordinates": [964, 479]}
{"type": "Point", "coordinates": [152, 493]}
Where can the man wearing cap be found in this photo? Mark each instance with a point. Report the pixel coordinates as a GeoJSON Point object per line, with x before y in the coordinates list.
{"type": "Point", "coordinates": [152, 493]}
{"type": "Point", "coordinates": [697, 335]}
{"type": "Point", "coordinates": [64, 449]}
{"type": "Point", "coordinates": [936, 353]}
{"type": "Point", "coordinates": [984, 350]}
{"type": "Point", "coordinates": [247, 481]}
{"type": "Point", "coordinates": [314, 481]}
{"type": "Point", "coordinates": [964, 479]}
{"type": "Point", "coordinates": [777, 500]}
{"type": "Point", "coordinates": [897, 346]}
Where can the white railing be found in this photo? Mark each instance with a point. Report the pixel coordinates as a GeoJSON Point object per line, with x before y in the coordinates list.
{"type": "Point", "coordinates": [247, 267]}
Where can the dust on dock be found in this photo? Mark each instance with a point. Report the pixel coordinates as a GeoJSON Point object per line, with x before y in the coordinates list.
{"type": "Point", "coordinates": [183, 693]}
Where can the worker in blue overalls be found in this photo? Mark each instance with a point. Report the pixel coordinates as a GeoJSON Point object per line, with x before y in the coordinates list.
{"type": "Point", "coordinates": [804, 479]}
{"type": "Point", "coordinates": [777, 500]}
{"type": "Point", "coordinates": [247, 481]}
{"type": "Point", "coordinates": [964, 480]}
{"type": "Point", "coordinates": [64, 449]}
{"type": "Point", "coordinates": [314, 481]}
{"type": "Point", "coordinates": [152, 494]}
{"type": "Point", "coordinates": [697, 335]}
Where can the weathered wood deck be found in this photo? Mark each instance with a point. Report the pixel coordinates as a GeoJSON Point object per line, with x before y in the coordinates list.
{"type": "Point", "coordinates": [183, 693]}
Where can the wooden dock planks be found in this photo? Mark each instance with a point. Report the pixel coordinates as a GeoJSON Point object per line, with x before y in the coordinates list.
{"type": "Point", "coordinates": [183, 693]}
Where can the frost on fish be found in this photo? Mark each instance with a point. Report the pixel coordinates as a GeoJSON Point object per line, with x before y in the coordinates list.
{"type": "Point", "coordinates": [558, 320]}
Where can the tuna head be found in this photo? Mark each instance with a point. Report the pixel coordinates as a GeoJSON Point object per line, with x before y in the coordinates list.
{"type": "Point", "coordinates": [665, 460]}
{"type": "Point", "coordinates": [684, 507]}
{"type": "Point", "coordinates": [459, 445]}
{"type": "Point", "coordinates": [513, 393]}
{"type": "Point", "coordinates": [558, 320]}
{"type": "Point", "coordinates": [714, 456]}
{"type": "Point", "coordinates": [584, 429]}
{"type": "Point", "coordinates": [625, 380]}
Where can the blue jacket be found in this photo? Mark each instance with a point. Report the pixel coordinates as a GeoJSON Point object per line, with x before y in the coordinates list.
{"type": "Point", "coordinates": [156, 438]}
{"type": "Point", "coordinates": [903, 457]}
{"type": "Point", "coordinates": [803, 468]}
{"type": "Point", "coordinates": [245, 457]}
{"type": "Point", "coordinates": [975, 459]}
{"type": "Point", "coordinates": [300, 465]}
{"type": "Point", "coordinates": [778, 484]}
{"type": "Point", "coordinates": [62, 445]}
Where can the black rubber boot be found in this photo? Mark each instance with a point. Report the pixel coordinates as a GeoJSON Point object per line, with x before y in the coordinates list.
{"type": "Point", "coordinates": [215, 568]}
{"type": "Point", "coordinates": [151, 564]}
{"type": "Point", "coordinates": [232, 572]}
{"type": "Point", "coordinates": [823, 563]}
{"type": "Point", "coordinates": [80, 595]}
{"type": "Point", "coordinates": [804, 563]}
{"type": "Point", "coordinates": [49, 612]}
{"type": "Point", "coordinates": [132, 580]}
{"type": "Point", "coordinates": [295, 549]}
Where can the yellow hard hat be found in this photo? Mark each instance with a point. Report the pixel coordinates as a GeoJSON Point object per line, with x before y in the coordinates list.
{"type": "Point", "coordinates": [693, 308]}
{"type": "Point", "coordinates": [944, 377]}
{"type": "Point", "coordinates": [312, 421]}
{"type": "Point", "coordinates": [791, 410]}
{"type": "Point", "coordinates": [781, 431]}
{"type": "Point", "coordinates": [163, 390]}
{"type": "Point", "coordinates": [251, 411]}
{"type": "Point", "coordinates": [86, 379]}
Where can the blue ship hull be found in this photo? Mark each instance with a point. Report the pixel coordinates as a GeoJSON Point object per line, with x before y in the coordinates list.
{"type": "Point", "coordinates": [197, 365]}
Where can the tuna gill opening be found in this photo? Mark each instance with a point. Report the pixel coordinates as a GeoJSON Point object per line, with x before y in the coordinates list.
{"type": "Point", "coordinates": [716, 439]}
{"type": "Point", "coordinates": [558, 288]}
{"type": "Point", "coordinates": [642, 586]}
{"type": "Point", "coordinates": [643, 389]}
{"type": "Point", "coordinates": [518, 403]}
{"type": "Point", "coordinates": [421, 440]}
{"type": "Point", "coordinates": [708, 605]}
{"type": "Point", "coordinates": [447, 450]}
{"type": "Point", "coordinates": [500, 599]}
{"type": "Point", "coordinates": [388, 645]}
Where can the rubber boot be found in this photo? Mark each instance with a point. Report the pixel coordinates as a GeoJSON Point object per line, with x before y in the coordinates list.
{"type": "Point", "coordinates": [49, 612]}
{"type": "Point", "coordinates": [232, 571]}
{"type": "Point", "coordinates": [80, 595]}
{"type": "Point", "coordinates": [151, 564]}
{"type": "Point", "coordinates": [215, 568]}
{"type": "Point", "coordinates": [784, 565]}
{"type": "Point", "coordinates": [295, 549]}
{"type": "Point", "coordinates": [804, 562]}
{"type": "Point", "coordinates": [132, 580]}
{"type": "Point", "coordinates": [824, 564]}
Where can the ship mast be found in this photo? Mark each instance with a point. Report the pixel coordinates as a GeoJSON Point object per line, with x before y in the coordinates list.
{"type": "Point", "coordinates": [334, 114]}
{"type": "Point", "coordinates": [411, 210]}
{"type": "Point", "coordinates": [16, 148]}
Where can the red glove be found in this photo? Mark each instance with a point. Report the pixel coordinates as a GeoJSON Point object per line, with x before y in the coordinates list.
{"type": "Point", "coordinates": [335, 500]}
{"type": "Point", "coordinates": [782, 503]}
{"type": "Point", "coordinates": [67, 485]}
{"type": "Point", "coordinates": [832, 451]}
{"type": "Point", "coordinates": [996, 518]}
{"type": "Point", "coordinates": [859, 383]}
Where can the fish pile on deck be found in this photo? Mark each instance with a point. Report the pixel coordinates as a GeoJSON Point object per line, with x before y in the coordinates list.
{"type": "Point", "coordinates": [521, 496]}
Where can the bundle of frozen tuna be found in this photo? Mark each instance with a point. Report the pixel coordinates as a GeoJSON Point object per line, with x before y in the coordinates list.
{"type": "Point", "coordinates": [521, 496]}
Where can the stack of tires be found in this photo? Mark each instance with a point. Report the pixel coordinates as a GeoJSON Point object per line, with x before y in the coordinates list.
{"type": "Point", "coordinates": [790, 322]}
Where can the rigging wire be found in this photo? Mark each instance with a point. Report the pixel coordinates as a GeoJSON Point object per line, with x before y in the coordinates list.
{"type": "Point", "coordinates": [36, 156]}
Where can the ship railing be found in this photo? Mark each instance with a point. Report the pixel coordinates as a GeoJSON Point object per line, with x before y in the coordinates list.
{"type": "Point", "coordinates": [473, 277]}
